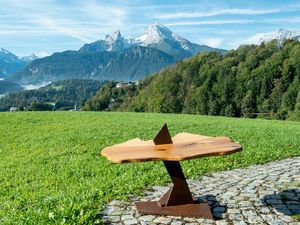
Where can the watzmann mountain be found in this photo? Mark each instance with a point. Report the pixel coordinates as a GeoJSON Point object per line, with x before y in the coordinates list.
{"type": "Point", "coordinates": [156, 36]}
{"type": "Point", "coordinates": [114, 58]}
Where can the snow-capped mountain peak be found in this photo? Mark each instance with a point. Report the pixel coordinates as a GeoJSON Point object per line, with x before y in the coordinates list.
{"type": "Point", "coordinates": [156, 36]}
{"type": "Point", "coordinates": [115, 42]}
{"type": "Point", "coordinates": [112, 43]}
{"type": "Point", "coordinates": [155, 33]}
{"type": "Point", "coordinates": [280, 36]}
{"type": "Point", "coordinates": [29, 58]}
{"type": "Point", "coordinates": [116, 35]}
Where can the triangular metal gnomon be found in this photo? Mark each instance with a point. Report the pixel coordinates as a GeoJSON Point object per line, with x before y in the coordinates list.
{"type": "Point", "coordinates": [163, 136]}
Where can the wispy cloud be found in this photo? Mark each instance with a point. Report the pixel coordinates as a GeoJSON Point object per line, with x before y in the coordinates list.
{"type": "Point", "coordinates": [51, 24]}
{"type": "Point", "coordinates": [107, 15]}
{"type": "Point", "coordinates": [290, 20]}
{"type": "Point", "coordinates": [181, 15]}
{"type": "Point", "coordinates": [208, 22]}
{"type": "Point", "coordinates": [52, 18]}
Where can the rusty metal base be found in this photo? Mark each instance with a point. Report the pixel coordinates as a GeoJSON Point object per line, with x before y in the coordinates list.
{"type": "Point", "coordinates": [178, 201]}
{"type": "Point", "coordinates": [189, 210]}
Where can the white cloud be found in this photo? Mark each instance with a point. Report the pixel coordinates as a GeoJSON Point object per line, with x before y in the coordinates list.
{"type": "Point", "coordinates": [215, 13]}
{"type": "Point", "coordinates": [213, 42]}
{"type": "Point", "coordinates": [42, 54]}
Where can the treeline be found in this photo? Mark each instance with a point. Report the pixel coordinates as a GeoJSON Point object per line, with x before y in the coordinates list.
{"type": "Point", "coordinates": [251, 81]}
{"type": "Point", "coordinates": [59, 95]}
{"type": "Point", "coordinates": [6, 87]}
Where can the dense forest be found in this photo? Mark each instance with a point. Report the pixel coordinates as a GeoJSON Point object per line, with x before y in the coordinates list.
{"type": "Point", "coordinates": [6, 86]}
{"type": "Point", "coordinates": [251, 81]}
{"type": "Point", "coordinates": [59, 95]}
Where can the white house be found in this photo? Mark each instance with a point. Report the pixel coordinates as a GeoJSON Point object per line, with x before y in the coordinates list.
{"type": "Point", "coordinates": [13, 109]}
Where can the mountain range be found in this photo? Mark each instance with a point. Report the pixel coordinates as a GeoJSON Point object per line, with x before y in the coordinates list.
{"type": "Point", "coordinates": [156, 36]}
{"type": "Point", "coordinates": [113, 58]}
{"type": "Point", "coordinates": [281, 35]}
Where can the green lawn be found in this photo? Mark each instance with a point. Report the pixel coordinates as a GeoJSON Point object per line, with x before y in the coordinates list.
{"type": "Point", "coordinates": [51, 170]}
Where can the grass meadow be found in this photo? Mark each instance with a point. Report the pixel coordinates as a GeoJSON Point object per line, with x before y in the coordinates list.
{"type": "Point", "coordinates": [51, 171]}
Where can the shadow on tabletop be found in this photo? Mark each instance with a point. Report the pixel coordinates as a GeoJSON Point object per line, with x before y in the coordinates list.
{"type": "Point", "coordinates": [286, 202]}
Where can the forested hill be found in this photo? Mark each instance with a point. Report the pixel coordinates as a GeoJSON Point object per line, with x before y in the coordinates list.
{"type": "Point", "coordinates": [63, 95]}
{"type": "Point", "coordinates": [250, 81]}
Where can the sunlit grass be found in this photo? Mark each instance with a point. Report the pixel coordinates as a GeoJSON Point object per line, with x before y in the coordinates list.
{"type": "Point", "coordinates": [52, 171]}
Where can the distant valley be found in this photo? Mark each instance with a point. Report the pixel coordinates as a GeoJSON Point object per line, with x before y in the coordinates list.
{"type": "Point", "coordinates": [60, 95]}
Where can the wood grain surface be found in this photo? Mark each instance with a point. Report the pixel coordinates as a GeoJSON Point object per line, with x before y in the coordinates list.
{"type": "Point", "coordinates": [185, 146]}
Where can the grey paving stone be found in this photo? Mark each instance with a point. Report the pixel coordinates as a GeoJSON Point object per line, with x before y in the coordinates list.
{"type": "Point", "coordinates": [222, 222]}
{"type": "Point", "coordinates": [146, 218]}
{"type": "Point", "coordinates": [162, 220]}
{"type": "Point", "coordinates": [263, 194]}
{"type": "Point", "coordinates": [112, 219]}
{"type": "Point", "coordinates": [264, 210]}
{"type": "Point", "coordinates": [130, 222]}
{"type": "Point", "coordinates": [177, 222]}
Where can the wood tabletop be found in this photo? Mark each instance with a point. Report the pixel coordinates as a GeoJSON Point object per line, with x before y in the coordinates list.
{"type": "Point", "coordinates": [183, 146]}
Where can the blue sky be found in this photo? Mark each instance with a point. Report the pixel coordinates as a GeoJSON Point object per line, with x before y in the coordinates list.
{"type": "Point", "coordinates": [47, 26]}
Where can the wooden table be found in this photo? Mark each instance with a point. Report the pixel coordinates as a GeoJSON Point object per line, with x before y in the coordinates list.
{"type": "Point", "coordinates": [178, 201]}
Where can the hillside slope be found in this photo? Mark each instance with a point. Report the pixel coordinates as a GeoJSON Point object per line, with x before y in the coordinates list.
{"type": "Point", "coordinates": [252, 80]}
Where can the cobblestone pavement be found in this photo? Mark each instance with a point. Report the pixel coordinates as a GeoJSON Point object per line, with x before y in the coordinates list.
{"type": "Point", "coordinates": [263, 194]}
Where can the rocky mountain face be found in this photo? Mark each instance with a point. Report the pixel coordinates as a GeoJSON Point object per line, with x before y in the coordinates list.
{"type": "Point", "coordinates": [62, 66]}
{"type": "Point", "coordinates": [114, 58]}
{"type": "Point", "coordinates": [10, 63]}
{"type": "Point", "coordinates": [156, 36]}
{"type": "Point", "coordinates": [133, 64]}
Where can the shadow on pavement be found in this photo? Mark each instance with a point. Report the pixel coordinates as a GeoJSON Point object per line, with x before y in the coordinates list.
{"type": "Point", "coordinates": [215, 206]}
{"type": "Point", "coordinates": [286, 202]}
